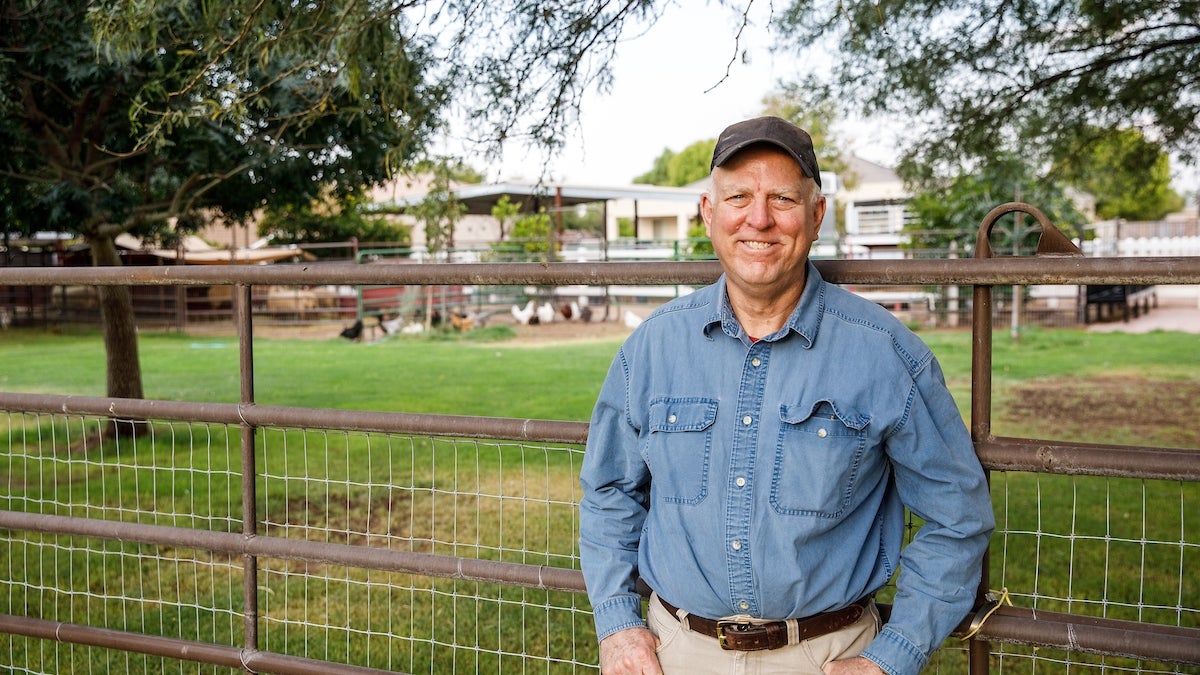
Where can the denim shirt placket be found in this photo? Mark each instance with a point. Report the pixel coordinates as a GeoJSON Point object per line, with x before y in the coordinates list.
{"type": "Point", "coordinates": [743, 454]}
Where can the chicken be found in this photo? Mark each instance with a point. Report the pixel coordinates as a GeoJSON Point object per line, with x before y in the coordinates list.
{"type": "Point", "coordinates": [632, 320]}
{"type": "Point", "coordinates": [462, 321]}
{"type": "Point", "coordinates": [353, 333]}
{"type": "Point", "coordinates": [584, 310]}
{"type": "Point", "coordinates": [481, 318]}
{"type": "Point", "coordinates": [545, 313]}
{"type": "Point", "coordinates": [391, 326]}
{"type": "Point", "coordinates": [570, 311]}
{"type": "Point", "coordinates": [523, 315]}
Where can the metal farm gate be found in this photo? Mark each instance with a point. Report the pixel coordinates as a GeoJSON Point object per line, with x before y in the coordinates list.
{"type": "Point", "coordinates": [251, 544]}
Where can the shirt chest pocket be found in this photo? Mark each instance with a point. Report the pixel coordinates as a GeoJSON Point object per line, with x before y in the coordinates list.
{"type": "Point", "coordinates": [678, 447]}
{"type": "Point", "coordinates": [817, 458]}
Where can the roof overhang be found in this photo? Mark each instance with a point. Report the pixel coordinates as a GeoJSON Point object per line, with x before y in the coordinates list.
{"type": "Point", "coordinates": [532, 197]}
{"type": "Point", "coordinates": [195, 251]}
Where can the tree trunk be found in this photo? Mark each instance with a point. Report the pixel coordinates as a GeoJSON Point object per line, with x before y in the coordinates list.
{"type": "Point", "coordinates": [120, 331]}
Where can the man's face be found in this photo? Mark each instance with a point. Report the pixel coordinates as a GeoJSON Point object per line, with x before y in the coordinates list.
{"type": "Point", "coordinates": [760, 222]}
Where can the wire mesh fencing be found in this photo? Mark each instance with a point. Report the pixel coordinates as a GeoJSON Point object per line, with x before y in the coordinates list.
{"type": "Point", "coordinates": [1116, 548]}
{"type": "Point", "coordinates": [497, 501]}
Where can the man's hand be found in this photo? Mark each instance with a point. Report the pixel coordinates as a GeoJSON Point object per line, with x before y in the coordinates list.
{"type": "Point", "coordinates": [858, 665]}
{"type": "Point", "coordinates": [629, 652]}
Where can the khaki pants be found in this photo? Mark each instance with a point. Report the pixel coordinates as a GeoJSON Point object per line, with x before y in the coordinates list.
{"type": "Point", "coordinates": [682, 652]}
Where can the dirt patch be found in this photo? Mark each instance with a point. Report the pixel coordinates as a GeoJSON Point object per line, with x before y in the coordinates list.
{"type": "Point", "coordinates": [556, 332]}
{"type": "Point", "coordinates": [560, 332]}
{"type": "Point", "coordinates": [1123, 410]}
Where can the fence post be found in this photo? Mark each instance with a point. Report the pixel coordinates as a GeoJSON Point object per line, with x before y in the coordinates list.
{"type": "Point", "coordinates": [1051, 242]}
{"type": "Point", "coordinates": [245, 327]}
{"type": "Point", "coordinates": [981, 421]}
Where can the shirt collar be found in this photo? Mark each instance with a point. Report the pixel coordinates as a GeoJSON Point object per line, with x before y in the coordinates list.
{"type": "Point", "coordinates": [805, 320]}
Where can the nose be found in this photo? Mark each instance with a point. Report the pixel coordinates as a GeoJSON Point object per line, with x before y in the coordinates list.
{"type": "Point", "coordinates": [758, 214]}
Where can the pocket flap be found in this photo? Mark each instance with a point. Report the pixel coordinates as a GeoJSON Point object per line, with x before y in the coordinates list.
{"type": "Point", "coordinates": [682, 414]}
{"type": "Point", "coordinates": [826, 409]}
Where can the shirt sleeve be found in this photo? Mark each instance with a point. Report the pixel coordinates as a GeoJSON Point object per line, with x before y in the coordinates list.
{"type": "Point", "coordinates": [615, 482]}
{"type": "Point", "coordinates": [941, 481]}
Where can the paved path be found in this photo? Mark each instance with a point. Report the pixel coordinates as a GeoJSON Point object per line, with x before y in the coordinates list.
{"type": "Point", "coordinates": [1171, 314]}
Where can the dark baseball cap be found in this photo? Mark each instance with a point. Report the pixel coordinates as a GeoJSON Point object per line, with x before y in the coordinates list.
{"type": "Point", "coordinates": [778, 132]}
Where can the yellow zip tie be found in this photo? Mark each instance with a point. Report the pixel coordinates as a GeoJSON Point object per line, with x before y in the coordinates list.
{"type": "Point", "coordinates": [985, 612]}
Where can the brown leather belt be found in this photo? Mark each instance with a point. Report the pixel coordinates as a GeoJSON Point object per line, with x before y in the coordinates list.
{"type": "Point", "coordinates": [744, 636]}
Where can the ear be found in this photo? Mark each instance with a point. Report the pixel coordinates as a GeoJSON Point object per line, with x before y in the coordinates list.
{"type": "Point", "coordinates": [818, 214]}
{"type": "Point", "coordinates": [706, 208]}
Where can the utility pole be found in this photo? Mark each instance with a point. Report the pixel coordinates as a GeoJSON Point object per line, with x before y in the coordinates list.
{"type": "Point", "coordinates": [1014, 329]}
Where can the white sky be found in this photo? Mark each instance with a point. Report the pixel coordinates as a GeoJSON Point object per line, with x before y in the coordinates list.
{"type": "Point", "coordinates": [670, 90]}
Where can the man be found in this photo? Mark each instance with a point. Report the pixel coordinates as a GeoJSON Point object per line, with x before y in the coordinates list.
{"type": "Point", "coordinates": [753, 449]}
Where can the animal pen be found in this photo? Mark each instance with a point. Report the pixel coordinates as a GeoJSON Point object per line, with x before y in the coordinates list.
{"type": "Point", "coordinates": [251, 544]}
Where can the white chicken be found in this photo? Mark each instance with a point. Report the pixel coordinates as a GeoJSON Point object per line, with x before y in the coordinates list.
{"type": "Point", "coordinates": [523, 316]}
{"type": "Point", "coordinates": [545, 313]}
{"type": "Point", "coordinates": [632, 320]}
{"type": "Point", "coordinates": [391, 326]}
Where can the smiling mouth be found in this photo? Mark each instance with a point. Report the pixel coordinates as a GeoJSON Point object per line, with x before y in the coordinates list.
{"type": "Point", "coordinates": [757, 245]}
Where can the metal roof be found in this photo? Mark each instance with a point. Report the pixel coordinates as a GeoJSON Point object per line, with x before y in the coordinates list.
{"type": "Point", "coordinates": [479, 199]}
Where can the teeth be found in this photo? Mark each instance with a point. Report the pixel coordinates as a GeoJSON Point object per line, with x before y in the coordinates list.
{"type": "Point", "coordinates": [757, 244]}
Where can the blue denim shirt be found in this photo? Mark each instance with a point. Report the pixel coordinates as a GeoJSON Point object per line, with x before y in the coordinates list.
{"type": "Point", "coordinates": [770, 478]}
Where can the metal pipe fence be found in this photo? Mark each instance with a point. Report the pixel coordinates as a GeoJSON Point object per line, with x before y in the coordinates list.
{"type": "Point", "coordinates": [960, 271]}
{"type": "Point", "coordinates": [252, 543]}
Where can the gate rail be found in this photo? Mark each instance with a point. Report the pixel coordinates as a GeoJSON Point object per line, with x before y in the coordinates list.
{"type": "Point", "coordinates": [958, 271]}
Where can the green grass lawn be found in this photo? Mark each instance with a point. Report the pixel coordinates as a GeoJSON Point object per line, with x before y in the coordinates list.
{"type": "Point", "coordinates": [466, 377]}
{"type": "Point", "coordinates": [486, 377]}
{"type": "Point", "coordinates": [1113, 547]}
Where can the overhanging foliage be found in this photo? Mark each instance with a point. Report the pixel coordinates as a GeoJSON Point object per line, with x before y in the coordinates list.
{"type": "Point", "coordinates": [976, 77]}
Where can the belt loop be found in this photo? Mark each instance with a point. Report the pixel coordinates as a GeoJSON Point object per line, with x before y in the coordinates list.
{"type": "Point", "coordinates": [793, 631]}
{"type": "Point", "coordinates": [681, 615]}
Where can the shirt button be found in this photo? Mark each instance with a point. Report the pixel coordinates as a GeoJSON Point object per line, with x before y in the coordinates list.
{"type": "Point", "coordinates": [672, 419]}
{"type": "Point", "coordinates": [740, 482]}
{"type": "Point", "coordinates": [756, 362]}
{"type": "Point", "coordinates": [737, 545]}
{"type": "Point", "coordinates": [747, 420]}
{"type": "Point", "coordinates": [822, 433]}
{"type": "Point", "coordinates": [743, 605]}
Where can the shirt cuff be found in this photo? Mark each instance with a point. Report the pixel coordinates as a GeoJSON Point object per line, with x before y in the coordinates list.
{"type": "Point", "coordinates": [617, 614]}
{"type": "Point", "coordinates": [895, 654]}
